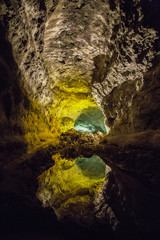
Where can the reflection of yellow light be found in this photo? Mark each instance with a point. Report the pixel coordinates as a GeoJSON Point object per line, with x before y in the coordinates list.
{"type": "Point", "coordinates": [70, 193]}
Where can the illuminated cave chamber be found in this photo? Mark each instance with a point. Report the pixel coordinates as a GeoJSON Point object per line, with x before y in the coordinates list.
{"type": "Point", "coordinates": [70, 187]}
{"type": "Point", "coordinates": [90, 120]}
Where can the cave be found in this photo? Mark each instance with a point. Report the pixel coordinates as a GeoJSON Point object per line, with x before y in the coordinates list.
{"type": "Point", "coordinates": [79, 119]}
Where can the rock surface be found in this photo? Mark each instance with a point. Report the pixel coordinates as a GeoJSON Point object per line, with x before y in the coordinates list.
{"type": "Point", "coordinates": [124, 75]}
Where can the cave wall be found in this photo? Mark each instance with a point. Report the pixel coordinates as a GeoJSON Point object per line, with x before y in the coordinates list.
{"type": "Point", "coordinates": [56, 44]}
{"type": "Point", "coordinates": [48, 51]}
{"type": "Point", "coordinates": [25, 22]}
{"type": "Point", "coordinates": [49, 45]}
{"type": "Point", "coordinates": [126, 84]}
{"type": "Point", "coordinates": [13, 101]}
{"type": "Point", "coordinates": [123, 80]}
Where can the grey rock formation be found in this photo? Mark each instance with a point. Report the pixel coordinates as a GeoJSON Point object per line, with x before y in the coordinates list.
{"type": "Point", "coordinates": [74, 34]}
{"type": "Point", "coordinates": [119, 77]}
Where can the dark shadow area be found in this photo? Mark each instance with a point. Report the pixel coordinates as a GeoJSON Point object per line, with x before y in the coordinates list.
{"type": "Point", "coordinates": [21, 221]}
{"type": "Point", "coordinates": [12, 101]}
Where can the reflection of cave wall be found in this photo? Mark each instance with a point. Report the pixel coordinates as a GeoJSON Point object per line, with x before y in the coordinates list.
{"type": "Point", "coordinates": [70, 187]}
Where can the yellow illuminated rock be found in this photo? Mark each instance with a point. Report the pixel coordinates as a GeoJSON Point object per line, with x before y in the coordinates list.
{"type": "Point", "coordinates": [71, 95]}
{"type": "Point", "coordinates": [37, 130]}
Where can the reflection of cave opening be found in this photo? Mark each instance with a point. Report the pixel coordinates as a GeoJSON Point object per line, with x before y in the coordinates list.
{"type": "Point", "coordinates": [93, 167]}
{"type": "Point", "coordinates": [70, 187]}
{"type": "Point", "coordinates": [90, 120]}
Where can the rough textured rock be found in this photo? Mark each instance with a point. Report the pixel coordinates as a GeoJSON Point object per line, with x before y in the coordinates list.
{"type": "Point", "coordinates": [74, 34]}
{"type": "Point", "coordinates": [43, 35]}
{"type": "Point", "coordinates": [20, 59]}
{"type": "Point", "coordinates": [25, 23]}
{"type": "Point", "coordinates": [120, 77]}
{"type": "Point", "coordinates": [60, 42]}
{"type": "Point", "coordinates": [13, 102]}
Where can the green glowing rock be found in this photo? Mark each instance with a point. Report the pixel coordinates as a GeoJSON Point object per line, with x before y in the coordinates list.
{"type": "Point", "coordinates": [93, 167]}
{"type": "Point", "coordinates": [91, 120]}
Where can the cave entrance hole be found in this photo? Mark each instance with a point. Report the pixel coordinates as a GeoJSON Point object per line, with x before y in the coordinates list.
{"type": "Point", "coordinates": [90, 120]}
